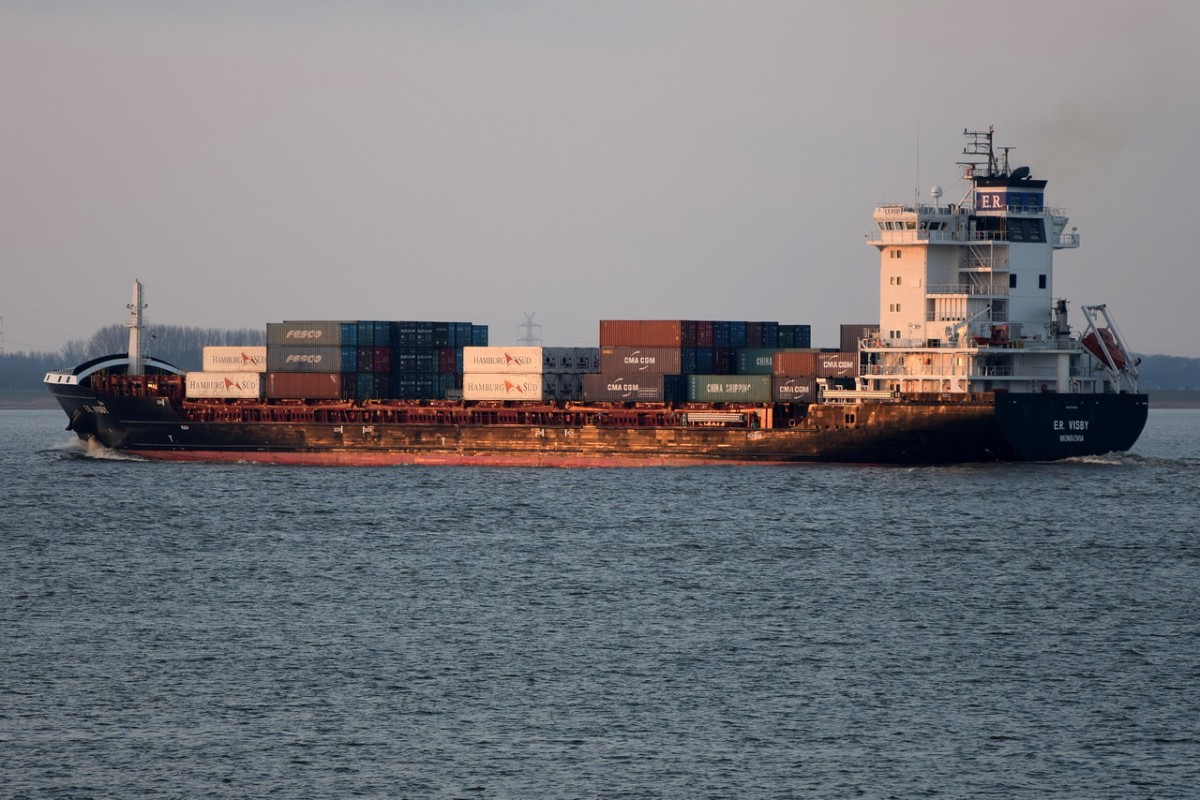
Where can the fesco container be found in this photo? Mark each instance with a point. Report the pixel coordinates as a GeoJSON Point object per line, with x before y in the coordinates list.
{"type": "Point", "coordinates": [640, 388]}
{"type": "Point", "coordinates": [508, 386]}
{"type": "Point", "coordinates": [311, 333]}
{"type": "Point", "coordinates": [794, 390]}
{"type": "Point", "coordinates": [729, 388]}
{"type": "Point", "coordinates": [304, 359]}
{"type": "Point", "coordinates": [304, 385]}
{"type": "Point", "coordinates": [234, 359]}
{"type": "Point", "coordinates": [630, 360]}
{"type": "Point", "coordinates": [228, 385]}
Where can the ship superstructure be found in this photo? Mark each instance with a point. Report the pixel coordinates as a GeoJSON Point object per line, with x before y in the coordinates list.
{"type": "Point", "coordinates": [966, 293]}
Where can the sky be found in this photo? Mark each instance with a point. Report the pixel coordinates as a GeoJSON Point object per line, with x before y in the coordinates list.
{"type": "Point", "coordinates": [480, 161]}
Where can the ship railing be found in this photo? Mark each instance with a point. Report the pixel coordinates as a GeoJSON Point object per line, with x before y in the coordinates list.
{"type": "Point", "coordinates": [966, 288]}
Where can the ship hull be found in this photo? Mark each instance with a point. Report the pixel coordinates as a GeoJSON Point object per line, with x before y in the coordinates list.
{"type": "Point", "coordinates": [1009, 428]}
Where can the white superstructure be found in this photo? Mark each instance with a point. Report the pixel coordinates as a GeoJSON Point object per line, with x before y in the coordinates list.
{"type": "Point", "coordinates": [966, 300]}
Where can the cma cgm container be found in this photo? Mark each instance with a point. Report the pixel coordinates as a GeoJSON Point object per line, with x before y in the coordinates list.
{"type": "Point", "coordinates": [312, 333]}
{"type": "Point", "coordinates": [304, 385]}
{"type": "Point", "coordinates": [628, 360]}
{"type": "Point", "coordinates": [816, 365]}
{"type": "Point", "coordinates": [228, 385]}
{"type": "Point", "coordinates": [729, 388]}
{"type": "Point", "coordinates": [794, 390]}
{"type": "Point", "coordinates": [234, 359]}
{"type": "Point", "coordinates": [641, 388]}
{"type": "Point", "coordinates": [515, 386]}
{"type": "Point", "coordinates": [304, 359]}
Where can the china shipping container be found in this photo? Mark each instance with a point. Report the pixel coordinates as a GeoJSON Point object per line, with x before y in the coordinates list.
{"type": "Point", "coordinates": [491, 386]}
{"type": "Point", "coordinates": [639, 388]}
{"type": "Point", "coordinates": [641, 333]}
{"type": "Point", "coordinates": [229, 385]}
{"type": "Point", "coordinates": [630, 360]}
{"type": "Point", "coordinates": [758, 360]}
{"type": "Point", "coordinates": [304, 385]}
{"type": "Point", "coordinates": [794, 390]}
{"type": "Point", "coordinates": [729, 388]}
{"type": "Point", "coordinates": [310, 333]}
{"type": "Point", "coordinates": [234, 359]}
{"type": "Point", "coordinates": [304, 359]}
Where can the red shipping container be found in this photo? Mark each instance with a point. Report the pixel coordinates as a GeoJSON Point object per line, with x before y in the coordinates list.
{"type": "Point", "coordinates": [641, 333]}
{"type": "Point", "coordinates": [304, 385]}
{"type": "Point", "coordinates": [795, 365]}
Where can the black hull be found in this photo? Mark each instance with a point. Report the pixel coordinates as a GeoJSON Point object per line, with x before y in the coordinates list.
{"type": "Point", "coordinates": [1017, 427]}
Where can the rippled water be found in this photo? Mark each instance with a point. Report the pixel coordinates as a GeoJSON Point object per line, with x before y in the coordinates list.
{"type": "Point", "coordinates": [176, 630]}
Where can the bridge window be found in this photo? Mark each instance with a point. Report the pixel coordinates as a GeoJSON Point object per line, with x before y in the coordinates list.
{"type": "Point", "coordinates": [1012, 281]}
{"type": "Point", "coordinates": [1041, 281]}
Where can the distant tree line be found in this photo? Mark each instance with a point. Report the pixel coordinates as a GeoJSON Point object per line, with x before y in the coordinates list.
{"type": "Point", "coordinates": [181, 346]}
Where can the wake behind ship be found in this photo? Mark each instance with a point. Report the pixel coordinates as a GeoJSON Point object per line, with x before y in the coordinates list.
{"type": "Point", "coordinates": [973, 359]}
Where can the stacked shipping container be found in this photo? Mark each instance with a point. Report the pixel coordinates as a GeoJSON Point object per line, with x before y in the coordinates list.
{"type": "Point", "coordinates": [694, 360]}
{"type": "Point", "coordinates": [228, 373]}
{"type": "Point", "coordinates": [367, 359]}
{"type": "Point", "coordinates": [526, 373]}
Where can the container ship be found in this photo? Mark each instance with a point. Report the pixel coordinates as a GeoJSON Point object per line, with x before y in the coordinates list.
{"type": "Point", "coordinates": [972, 360]}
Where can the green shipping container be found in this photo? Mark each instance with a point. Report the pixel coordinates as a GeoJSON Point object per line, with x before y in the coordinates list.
{"type": "Point", "coordinates": [729, 388]}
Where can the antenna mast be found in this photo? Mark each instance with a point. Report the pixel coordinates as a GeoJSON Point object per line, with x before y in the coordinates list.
{"type": "Point", "coordinates": [136, 325]}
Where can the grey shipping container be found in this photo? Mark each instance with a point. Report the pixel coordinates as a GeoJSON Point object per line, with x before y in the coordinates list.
{"type": "Point", "coordinates": [640, 388]}
{"type": "Point", "coordinates": [794, 390]}
{"type": "Point", "coordinates": [629, 360]}
{"type": "Point", "coordinates": [307, 333]}
{"type": "Point", "coordinates": [304, 359]}
{"type": "Point", "coordinates": [851, 333]}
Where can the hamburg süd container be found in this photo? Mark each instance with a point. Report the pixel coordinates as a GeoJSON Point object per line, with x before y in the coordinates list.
{"type": "Point", "coordinates": [228, 385]}
{"type": "Point", "coordinates": [234, 359]}
{"type": "Point", "coordinates": [508, 386]}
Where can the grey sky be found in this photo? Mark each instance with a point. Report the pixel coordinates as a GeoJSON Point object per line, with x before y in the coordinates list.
{"type": "Point", "coordinates": [473, 161]}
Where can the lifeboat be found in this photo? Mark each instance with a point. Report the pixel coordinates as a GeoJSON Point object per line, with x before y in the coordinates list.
{"type": "Point", "coordinates": [1110, 353]}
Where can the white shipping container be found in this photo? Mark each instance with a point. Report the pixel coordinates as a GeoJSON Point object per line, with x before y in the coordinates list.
{"type": "Point", "coordinates": [225, 385]}
{"type": "Point", "coordinates": [515, 360]}
{"type": "Point", "coordinates": [488, 386]}
{"type": "Point", "coordinates": [234, 359]}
